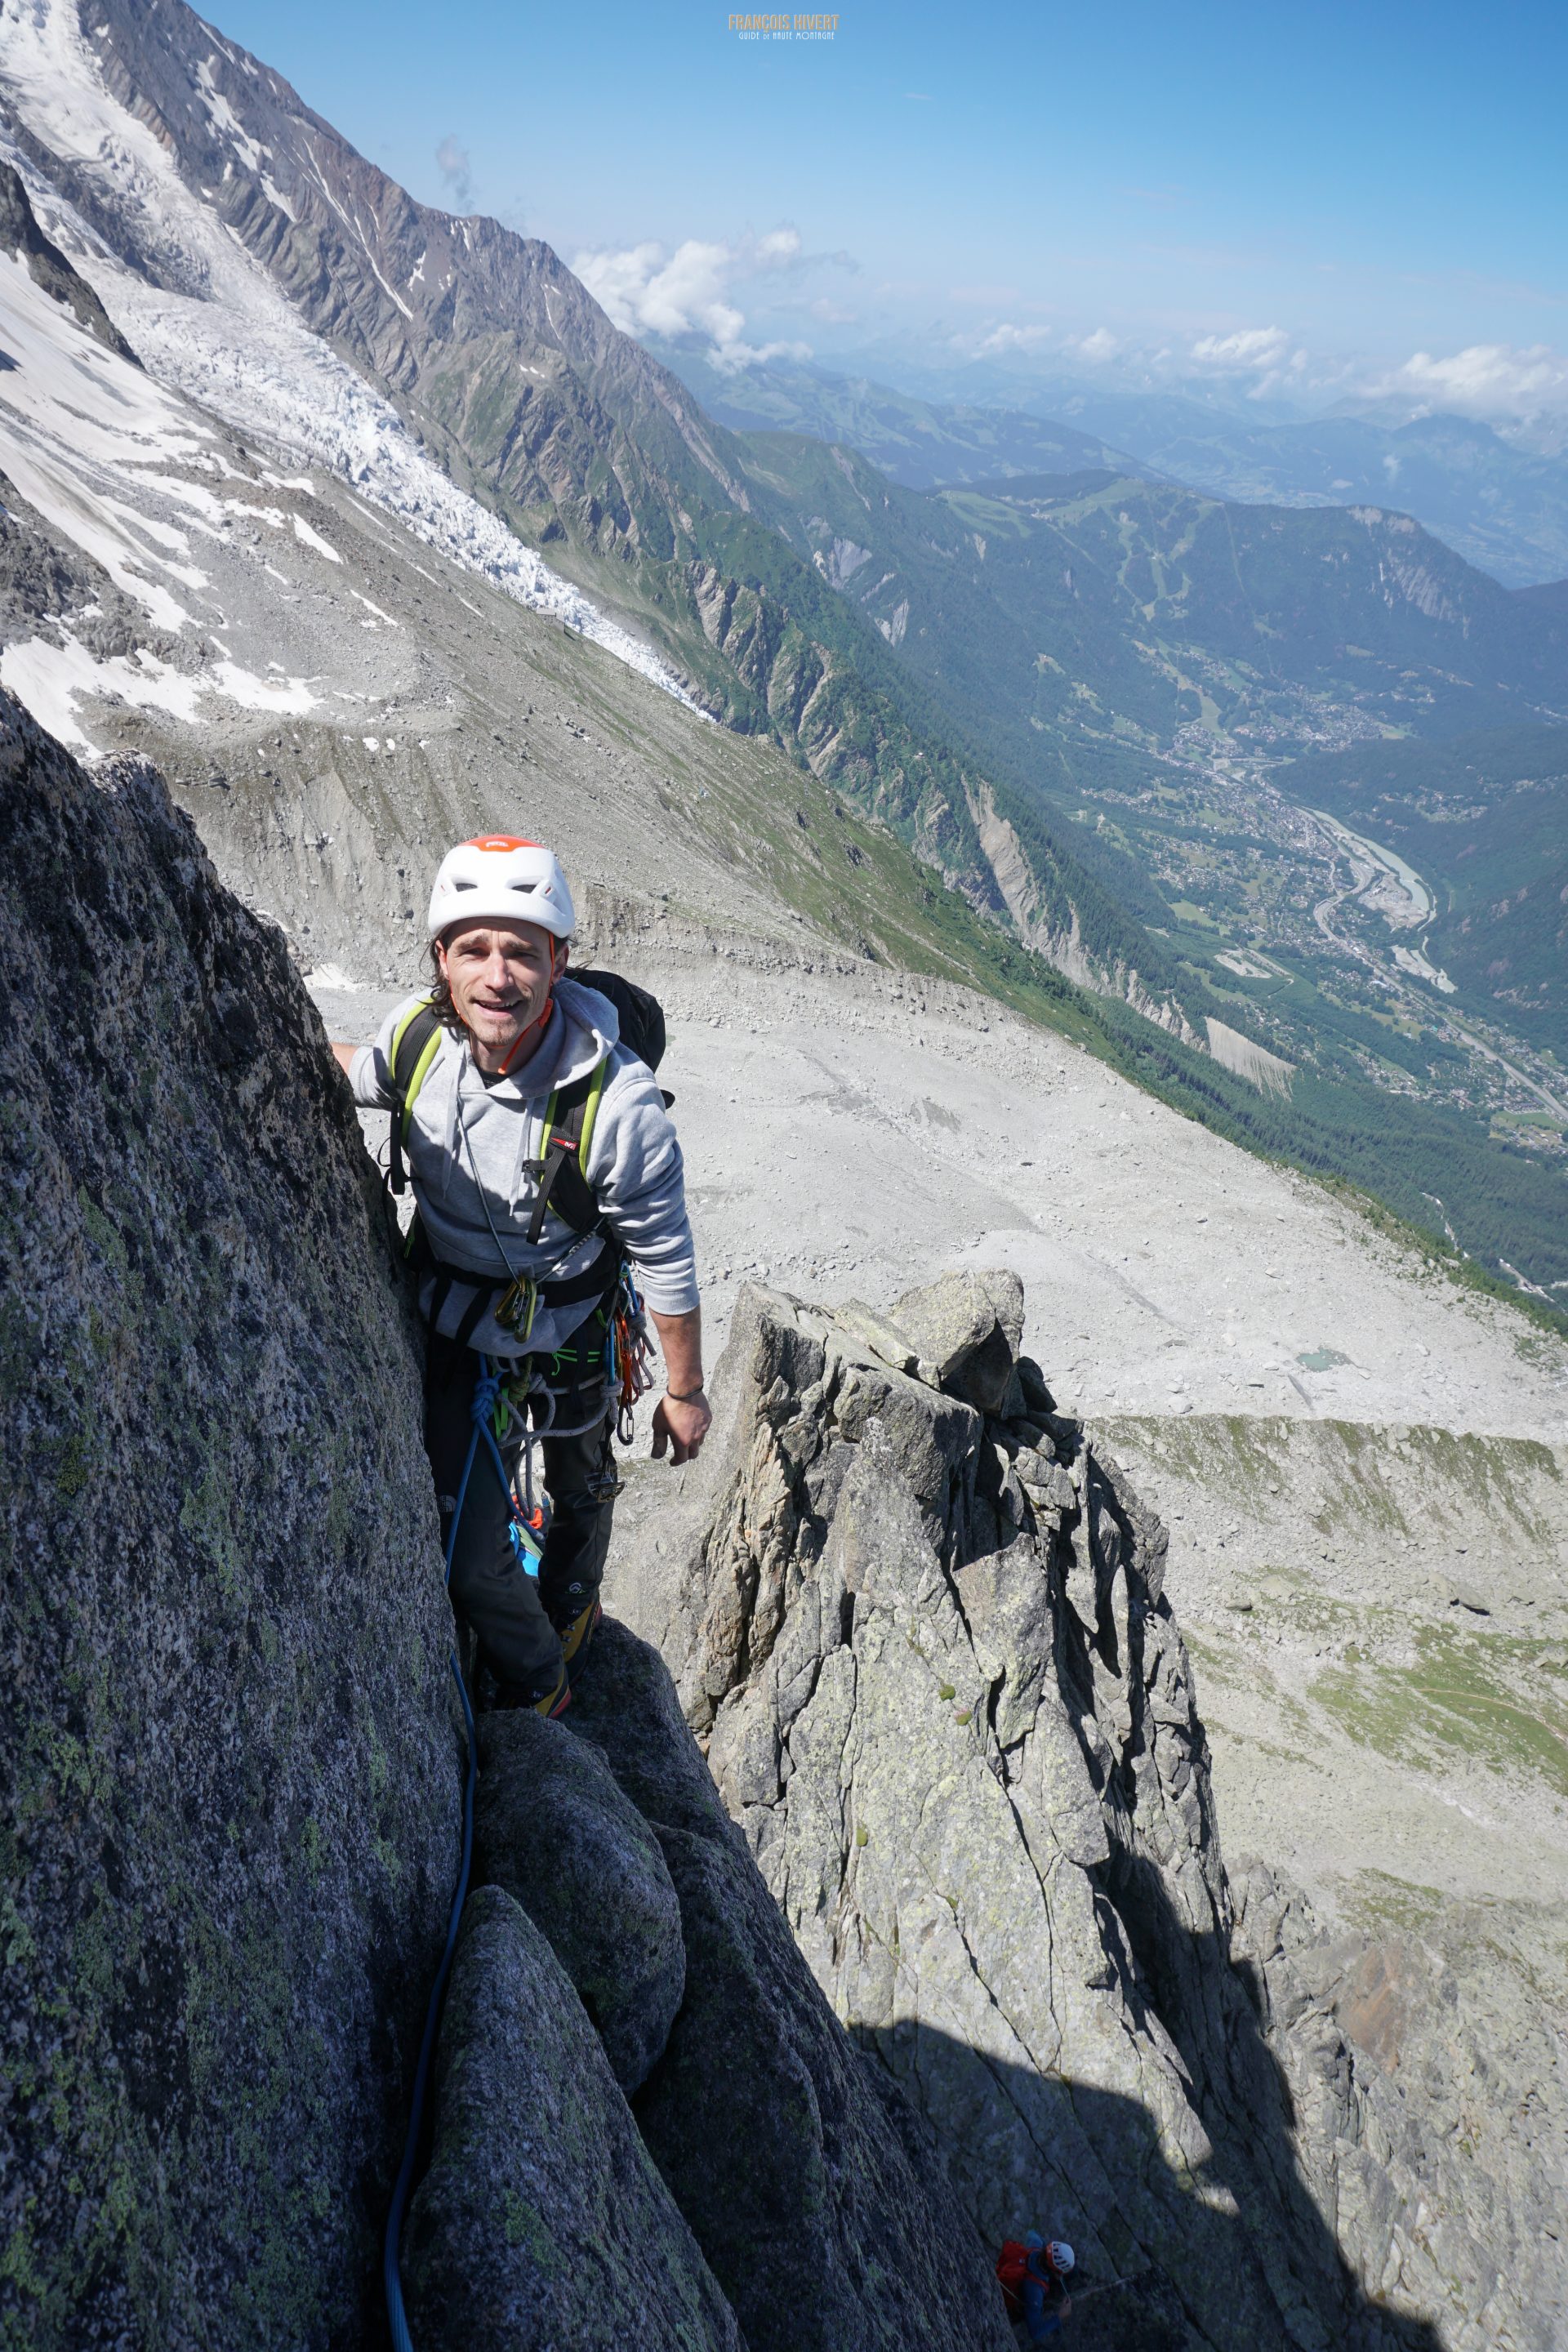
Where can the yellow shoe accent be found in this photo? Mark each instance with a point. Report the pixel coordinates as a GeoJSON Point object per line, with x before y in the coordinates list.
{"type": "Point", "coordinates": [557, 1701]}
{"type": "Point", "coordinates": [574, 1641]}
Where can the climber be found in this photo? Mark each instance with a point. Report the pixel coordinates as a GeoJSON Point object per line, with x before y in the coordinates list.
{"type": "Point", "coordinates": [1033, 2272]}
{"type": "Point", "coordinates": [548, 1190]}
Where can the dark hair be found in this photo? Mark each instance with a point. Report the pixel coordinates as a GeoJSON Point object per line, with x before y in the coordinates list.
{"type": "Point", "coordinates": [441, 1003]}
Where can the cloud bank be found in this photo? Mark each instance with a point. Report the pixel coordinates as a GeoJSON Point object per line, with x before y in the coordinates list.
{"type": "Point", "coordinates": [1487, 380]}
{"type": "Point", "coordinates": [1499, 384]}
{"type": "Point", "coordinates": [702, 292]}
{"type": "Point", "coordinates": [691, 293]}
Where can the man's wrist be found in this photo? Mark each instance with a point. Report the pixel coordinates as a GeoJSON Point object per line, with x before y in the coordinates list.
{"type": "Point", "coordinates": [684, 1396]}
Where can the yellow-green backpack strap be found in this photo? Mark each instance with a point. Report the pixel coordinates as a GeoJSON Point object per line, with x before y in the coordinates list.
{"type": "Point", "coordinates": [563, 1141]}
{"type": "Point", "coordinates": [415, 1042]}
{"type": "Point", "coordinates": [590, 1113]}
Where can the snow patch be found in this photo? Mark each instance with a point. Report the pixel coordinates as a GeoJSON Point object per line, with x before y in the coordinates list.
{"type": "Point", "coordinates": [308, 538]}
{"type": "Point", "coordinates": [229, 340]}
{"type": "Point", "coordinates": [50, 680]}
{"type": "Point", "coordinates": [223, 118]}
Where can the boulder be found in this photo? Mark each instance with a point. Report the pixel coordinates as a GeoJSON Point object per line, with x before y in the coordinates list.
{"type": "Point", "coordinates": [542, 2221]}
{"type": "Point", "coordinates": [970, 1324]}
{"type": "Point", "coordinates": [553, 1828]}
{"type": "Point", "coordinates": [808, 2183]}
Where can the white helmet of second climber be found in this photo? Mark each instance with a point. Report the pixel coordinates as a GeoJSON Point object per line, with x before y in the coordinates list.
{"type": "Point", "coordinates": [500, 879]}
{"type": "Point", "coordinates": [1062, 2257]}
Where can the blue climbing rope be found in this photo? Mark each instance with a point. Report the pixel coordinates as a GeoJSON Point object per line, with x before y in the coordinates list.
{"type": "Point", "coordinates": [487, 1394]}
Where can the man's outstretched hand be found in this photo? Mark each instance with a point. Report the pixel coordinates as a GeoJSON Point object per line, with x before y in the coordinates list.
{"type": "Point", "coordinates": [680, 1426]}
{"type": "Point", "coordinates": [681, 1422]}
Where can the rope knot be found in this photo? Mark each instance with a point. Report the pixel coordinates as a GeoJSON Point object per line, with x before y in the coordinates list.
{"type": "Point", "coordinates": [487, 1389]}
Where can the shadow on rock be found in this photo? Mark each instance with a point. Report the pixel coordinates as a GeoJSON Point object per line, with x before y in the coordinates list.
{"type": "Point", "coordinates": [809, 2185]}
{"type": "Point", "coordinates": [948, 1707]}
{"type": "Point", "coordinates": [1131, 2297]}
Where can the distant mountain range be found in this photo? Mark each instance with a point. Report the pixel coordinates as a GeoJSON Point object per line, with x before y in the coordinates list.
{"type": "Point", "coordinates": [1500, 503]}
{"type": "Point", "coordinates": [1504, 509]}
{"type": "Point", "coordinates": [922, 444]}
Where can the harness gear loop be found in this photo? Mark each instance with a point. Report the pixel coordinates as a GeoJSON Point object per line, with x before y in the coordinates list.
{"type": "Point", "coordinates": [631, 1354]}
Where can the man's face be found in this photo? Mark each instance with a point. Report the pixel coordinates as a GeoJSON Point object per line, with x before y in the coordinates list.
{"type": "Point", "coordinates": [500, 975]}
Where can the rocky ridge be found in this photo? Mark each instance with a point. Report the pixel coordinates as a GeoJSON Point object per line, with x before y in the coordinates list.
{"type": "Point", "coordinates": [937, 1941]}
{"type": "Point", "coordinates": [920, 1619]}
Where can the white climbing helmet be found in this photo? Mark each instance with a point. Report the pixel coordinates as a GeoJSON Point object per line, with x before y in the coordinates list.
{"type": "Point", "coordinates": [1062, 2257]}
{"type": "Point", "coordinates": [500, 879]}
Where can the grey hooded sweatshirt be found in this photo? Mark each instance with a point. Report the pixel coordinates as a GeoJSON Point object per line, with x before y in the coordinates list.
{"type": "Point", "coordinates": [470, 1141]}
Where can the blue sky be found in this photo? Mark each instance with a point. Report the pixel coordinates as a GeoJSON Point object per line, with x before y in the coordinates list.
{"type": "Point", "coordinates": [1079, 186]}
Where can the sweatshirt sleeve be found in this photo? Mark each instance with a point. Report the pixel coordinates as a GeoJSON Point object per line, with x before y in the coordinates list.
{"type": "Point", "coordinates": [370, 1072]}
{"type": "Point", "coordinates": [636, 1169]}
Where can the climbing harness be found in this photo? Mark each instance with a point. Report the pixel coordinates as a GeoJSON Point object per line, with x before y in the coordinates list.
{"type": "Point", "coordinates": [491, 1411]}
{"type": "Point", "coordinates": [567, 1136]}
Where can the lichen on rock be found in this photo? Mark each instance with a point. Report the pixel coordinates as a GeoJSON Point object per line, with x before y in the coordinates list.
{"type": "Point", "coordinates": [228, 1755]}
{"type": "Point", "coordinates": [542, 2221]}
{"type": "Point", "coordinates": [554, 1828]}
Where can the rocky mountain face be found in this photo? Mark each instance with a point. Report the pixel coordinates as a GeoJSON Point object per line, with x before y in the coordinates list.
{"type": "Point", "coordinates": [231, 1770]}
{"type": "Point", "coordinates": [229, 1775]}
{"type": "Point", "coordinates": [762, 2048]}
{"type": "Point", "coordinates": [518, 382]}
{"type": "Point", "coordinates": [920, 1620]}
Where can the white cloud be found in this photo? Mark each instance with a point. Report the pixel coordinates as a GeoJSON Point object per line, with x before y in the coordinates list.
{"type": "Point", "coordinates": [1101, 345]}
{"type": "Point", "coordinates": [1486, 380]}
{"type": "Point", "coordinates": [1250, 347]}
{"type": "Point", "coordinates": [647, 290]}
{"type": "Point", "coordinates": [1263, 354]}
{"type": "Point", "coordinates": [1007, 338]}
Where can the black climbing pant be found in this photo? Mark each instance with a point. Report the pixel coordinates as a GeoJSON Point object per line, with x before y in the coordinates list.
{"type": "Point", "coordinates": [517, 1618]}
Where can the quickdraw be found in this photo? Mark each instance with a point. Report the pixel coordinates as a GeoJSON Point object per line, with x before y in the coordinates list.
{"type": "Point", "coordinates": [528, 1520]}
{"type": "Point", "coordinates": [515, 1309]}
{"type": "Point", "coordinates": [631, 1355]}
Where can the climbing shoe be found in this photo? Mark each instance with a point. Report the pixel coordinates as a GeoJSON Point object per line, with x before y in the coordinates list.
{"type": "Point", "coordinates": [557, 1701]}
{"type": "Point", "coordinates": [577, 1636]}
{"type": "Point", "coordinates": [512, 1695]}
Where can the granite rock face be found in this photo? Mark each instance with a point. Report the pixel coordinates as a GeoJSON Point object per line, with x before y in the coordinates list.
{"type": "Point", "coordinates": [553, 1828]}
{"type": "Point", "coordinates": [947, 1705]}
{"type": "Point", "coordinates": [229, 1752]}
{"type": "Point", "coordinates": [542, 2221]}
{"type": "Point", "coordinates": [1434, 2137]}
{"type": "Point", "coordinates": [970, 1325]}
{"type": "Point", "coordinates": [806, 2177]}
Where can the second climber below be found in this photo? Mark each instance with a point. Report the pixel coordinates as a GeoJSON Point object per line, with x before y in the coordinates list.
{"type": "Point", "coordinates": [548, 1181]}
